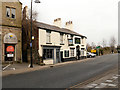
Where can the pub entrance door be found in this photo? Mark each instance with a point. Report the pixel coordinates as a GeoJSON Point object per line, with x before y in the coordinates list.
{"type": "Point", "coordinates": [9, 52]}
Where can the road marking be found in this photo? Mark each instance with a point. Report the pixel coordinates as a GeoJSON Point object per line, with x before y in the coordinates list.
{"type": "Point", "coordinates": [97, 87]}
{"type": "Point", "coordinates": [94, 84]}
{"type": "Point", "coordinates": [29, 65]}
{"type": "Point", "coordinates": [109, 81]}
{"type": "Point", "coordinates": [112, 85]}
{"type": "Point", "coordinates": [118, 75]}
{"type": "Point", "coordinates": [6, 67]}
{"type": "Point", "coordinates": [114, 77]}
{"type": "Point", "coordinates": [12, 68]}
{"type": "Point", "coordinates": [104, 84]}
{"type": "Point", "coordinates": [89, 86]}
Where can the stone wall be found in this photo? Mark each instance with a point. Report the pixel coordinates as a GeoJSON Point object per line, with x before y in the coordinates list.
{"type": "Point", "coordinates": [18, 46]}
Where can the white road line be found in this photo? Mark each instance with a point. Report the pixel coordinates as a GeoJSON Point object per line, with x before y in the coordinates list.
{"type": "Point", "coordinates": [104, 84]}
{"type": "Point", "coordinates": [109, 81]}
{"type": "Point", "coordinates": [118, 75]}
{"type": "Point", "coordinates": [94, 84]}
{"type": "Point", "coordinates": [114, 77]}
{"type": "Point", "coordinates": [6, 67]}
{"type": "Point", "coordinates": [112, 85]}
{"type": "Point", "coordinates": [89, 86]}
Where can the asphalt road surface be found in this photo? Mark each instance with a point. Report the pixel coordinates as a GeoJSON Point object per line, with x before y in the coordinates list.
{"type": "Point", "coordinates": [62, 76]}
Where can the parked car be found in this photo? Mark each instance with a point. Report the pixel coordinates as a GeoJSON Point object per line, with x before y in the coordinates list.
{"type": "Point", "coordinates": [89, 55]}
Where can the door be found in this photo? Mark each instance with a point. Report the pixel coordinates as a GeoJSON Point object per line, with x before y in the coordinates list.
{"type": "Point", "coordinates": [9, 52]}
{"type": "Point", "coordinates": [61, 53]}
{"type": "Point", "coordinates": [57, 55]}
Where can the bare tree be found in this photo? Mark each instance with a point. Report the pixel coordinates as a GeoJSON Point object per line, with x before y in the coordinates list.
{"type": "Point", "coordinates": [88, 47]}
{"type": "Point", "coordinates": [104, 43]}
{"type": "Point", "coordinates": [112, 43]}
{"type": "Point", "coordinates": [93, 45]}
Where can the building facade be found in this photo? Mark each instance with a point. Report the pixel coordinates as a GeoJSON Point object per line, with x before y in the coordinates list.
{"type": "Point", "coordinates": [57, 44]}
{"type": "Point", "coordinates": [10, 28]}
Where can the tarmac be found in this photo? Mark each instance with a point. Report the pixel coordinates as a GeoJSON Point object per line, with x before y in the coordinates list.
{"type": "Point", "coordinates": [109, 80]}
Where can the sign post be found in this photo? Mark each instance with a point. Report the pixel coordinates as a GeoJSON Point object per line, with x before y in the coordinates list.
{"type": "Point", "coordinates": [98, 49]}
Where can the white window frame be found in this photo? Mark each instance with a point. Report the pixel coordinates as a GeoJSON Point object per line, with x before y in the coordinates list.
{"type": "Point", "coordinates": [48, 36]}
{"type": "Point", "coordinates": [72, 53]}
{"type": "Point", "coordinates": [61, 38]}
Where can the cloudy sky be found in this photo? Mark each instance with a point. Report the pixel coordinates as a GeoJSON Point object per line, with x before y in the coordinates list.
{"type": "Point", "coordinates": [96, 19]}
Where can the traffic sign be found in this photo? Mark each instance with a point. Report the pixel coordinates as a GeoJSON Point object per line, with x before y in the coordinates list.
{"type": "Point", "coordinates": [98, 47]}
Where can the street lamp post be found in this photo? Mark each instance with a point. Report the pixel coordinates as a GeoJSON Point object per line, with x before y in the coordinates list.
{"type": "Point", "coordinates": [31, 64]}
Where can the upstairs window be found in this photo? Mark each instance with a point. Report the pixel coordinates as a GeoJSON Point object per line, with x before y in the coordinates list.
{"type": "Point", "coordinates": [77, 41]}
{"type": "Point", "coordinates": [48, 35]}
{"type": "Point", "coordinates": [10, 12]}
{"type": "Point", "coordinates": [7, 11]}
{"type": "Point", "coordinates": [13, 12]}
{"type": "Point", "coordinates": [61, 38]}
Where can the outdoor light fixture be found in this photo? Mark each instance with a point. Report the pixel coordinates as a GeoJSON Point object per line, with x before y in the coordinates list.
{"type": "Point", "coordinates": [31, 64]}
{"type": "Point", "coordinates": [33, 37]}
{"type": "Point", "coordinates": [37, 1]}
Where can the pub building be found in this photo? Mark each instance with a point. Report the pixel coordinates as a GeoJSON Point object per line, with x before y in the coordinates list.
{"type": "Point", "coordinates": [10, 28]}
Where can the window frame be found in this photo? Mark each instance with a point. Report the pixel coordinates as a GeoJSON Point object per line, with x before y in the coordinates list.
{"type": "Point", "coordinates": [72, 52]}
{"type": "Point", "coordinates": [66, 53]}
{"type": "Point", "coordinates": [47, 54]}
{"type": "Point", "coordinates": [8, 12]}
{"type": "Point", "coordinates": [79, 41]}
{"type": "Point", "coordinates": [61, 38]}
{"type": "Point", "coordinates": [14, 13]}
{"type": "Point", "coordinates": [48, 36]}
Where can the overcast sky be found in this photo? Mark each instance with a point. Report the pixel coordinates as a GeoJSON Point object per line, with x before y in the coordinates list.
{"type": "Point", "coordinates": [96, 19]}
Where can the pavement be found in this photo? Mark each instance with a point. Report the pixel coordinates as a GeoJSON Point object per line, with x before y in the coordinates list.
{"type": "Point", "coordinates": [17, 68]}
{"type": "Point", "coordinates": [106, 80]}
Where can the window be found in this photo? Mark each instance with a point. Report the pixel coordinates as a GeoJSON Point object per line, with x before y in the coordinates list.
{"type": "Point", "coordinates": [48, 37]}
{"type": "Point", "coordinates": [47, 53]}
{"type": "Point", "coordinates": [66, 53]}
{"type": "Point", "coordinates": [82, 48]}
{"type": "Point", "coordinates": [82, 53]}
{"type": "Point", "coordinates": [70, 42]}
{"type": "Point", "coordinates": [77, 40]}
{"type": "Point", "coordinates": [7, 11]}
{"type": "Point", "coordinates": [61, 38]}
{"type": "Point", "coordinates": [12, 12]}
{"type": "Point", "coordinates": [72, 52]}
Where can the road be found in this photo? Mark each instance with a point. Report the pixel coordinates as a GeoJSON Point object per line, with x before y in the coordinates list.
{"type": "Point", "coordinates": [62, 76]}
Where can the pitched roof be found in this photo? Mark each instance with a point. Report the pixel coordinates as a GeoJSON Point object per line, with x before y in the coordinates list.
{"type": "Point", "coordinates": [55, 28]}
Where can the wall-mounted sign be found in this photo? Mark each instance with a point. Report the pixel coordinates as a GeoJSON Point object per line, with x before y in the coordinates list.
{"type": "Point", "coordinates": [10, 38]}
{"type": "Point", "coordinates": [10, 55]}
{"type": "Point", "coordinates": [93, 51]}
{"type": "Point", "coordinates": [10, 49]}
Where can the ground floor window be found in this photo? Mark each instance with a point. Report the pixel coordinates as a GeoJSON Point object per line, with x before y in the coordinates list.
{"type": "Point", "coordinates": [72, 52]}
{"type": "Point", "coordinates": [66, 53]}
{"type": "Point", "coordinates": [82, 53]}
{"type": "Point", "coordinates": [47, 53]}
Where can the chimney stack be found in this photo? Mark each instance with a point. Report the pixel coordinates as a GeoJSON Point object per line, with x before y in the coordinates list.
{"type": "Point", "coordinates": [57, 22]}
{"type": "Point", "coordinates": [25, 13]}
{"type": "Point", "coordinates": [69, 25]}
